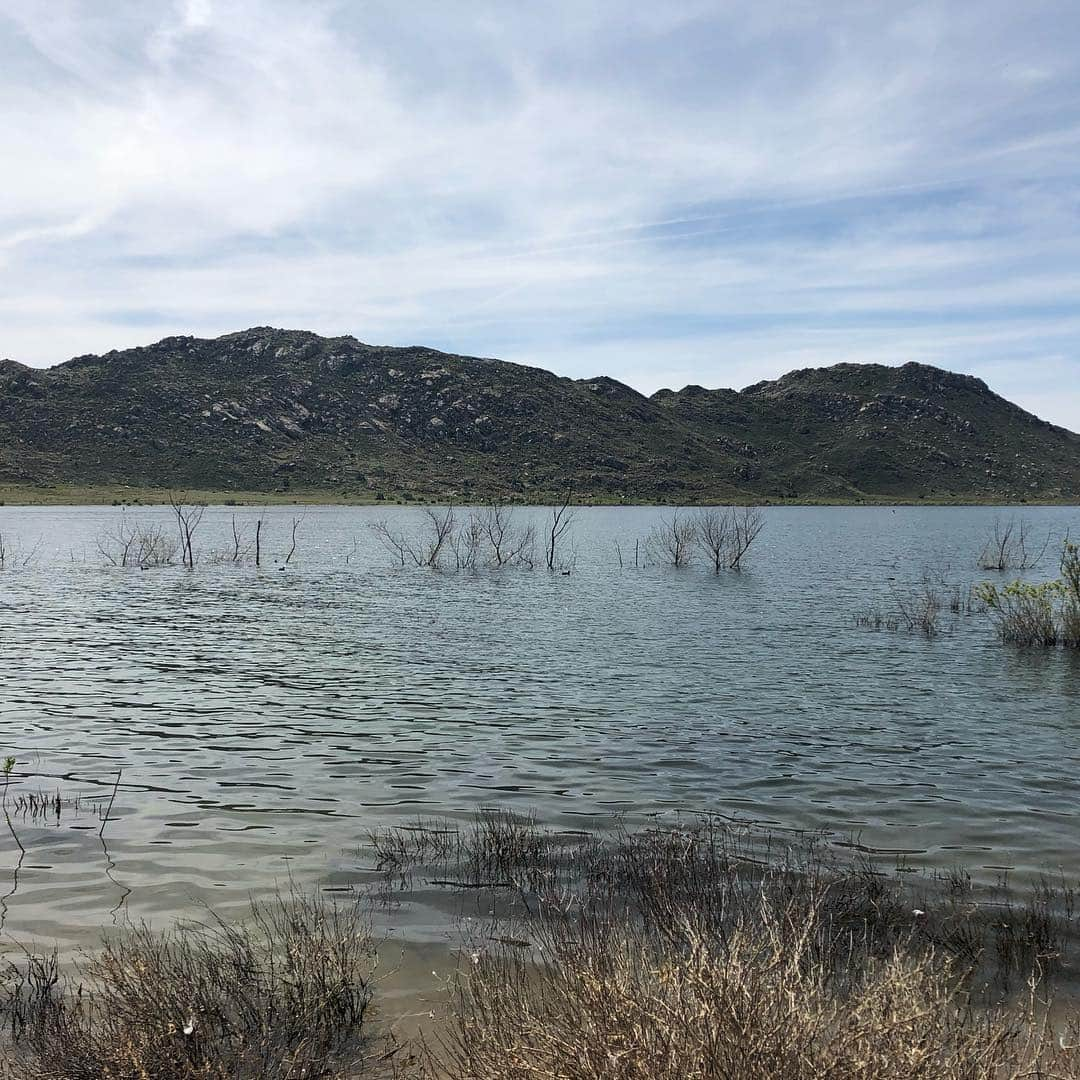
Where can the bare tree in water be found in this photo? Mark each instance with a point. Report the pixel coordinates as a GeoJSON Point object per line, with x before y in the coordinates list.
{"type": "Point", "coordinates": [258, 540]}
{"type": "Point", "coordinates": [562, 517]}
{"type": "Point", "coordinates": [713, 534]}
{"type": "Point", "coordinates": [395, 542]}
{"type": "Point", "coordinates": [468, 542]}
{"type": "Point", "coordinates": [188, 518]}
{"type": "Point", "coordinates": [427, 549]}
{"type": "Point", "coordinates": [671, 543]}
{"type": "Point", "coordinates": [240, 546]}
{"type": "Point", "coordinates": [437, 536]}
{"type": "Point", "coordinates": [133, 543]}
{"type": "Point", "coordinates": [747, 523]}
{"type": "Point", "coordinates": [507, 544]}
{"type": "Point", "coordinates": [12, 556]}
{"type": "Point", "coordinates": [1010, 547]}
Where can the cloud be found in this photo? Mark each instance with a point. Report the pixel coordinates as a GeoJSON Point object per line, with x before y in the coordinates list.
{"type": "Point", "coordinates": [687, 192]}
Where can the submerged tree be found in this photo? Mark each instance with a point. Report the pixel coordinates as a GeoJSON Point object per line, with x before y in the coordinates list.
{"type": "Point", "coordinates": [671, 543]}
{"type": "Point", "coordinates": [508, 545]}
{"type": "Point", "coordinates": [713, 535]}
{"type": "Point", "coordinates": [13, 556]}
{"type": "Point", "coordinates": [188, 518]}
{"type": "Point", "coordinates": [725, 534]}
{"type": "Point", "coordinates": [437, 536]}
{"type": "Point", "coordinates": [292, 549]}
{"type": "Point", "coordinates": [467, 543]}
{"type": "Point", "coordinates": [425, 549]}
{"type": "Point", "coordinates": [562, 517]}
{"type": "Point", "coordinates": [487, 536]}
{"type": "Point", "coordinates": [747, 523]}
{"type": "Point", "coordinates": [137, 544]}
{"type": "Point", "coordinates": [1010, 547]}
{"type": "Point", "coordinates": [240, 546]}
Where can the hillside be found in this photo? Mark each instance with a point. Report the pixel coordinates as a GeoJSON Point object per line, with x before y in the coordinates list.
{"type": "Point", "coordinates": [275, 410]}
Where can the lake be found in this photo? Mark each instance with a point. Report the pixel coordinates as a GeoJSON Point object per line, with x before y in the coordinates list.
{"type": "Point", "coordinates": [264, 720]}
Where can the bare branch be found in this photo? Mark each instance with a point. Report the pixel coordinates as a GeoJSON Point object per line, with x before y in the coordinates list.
{"type": "Point", "coordinates": [188, 518]}
{"type": "Point", "coordinates": [292, 550]}
{"type": "Point", "coordinates": [714, 536]}
{"type": "Point", "coordinates": [1010, 547]}
{"type": "Point", "coordinates": [747, 522]}
{"type": "Point", "coordinates": [671, 543]}
{"type": "Point", "coordinates": [562, 517]}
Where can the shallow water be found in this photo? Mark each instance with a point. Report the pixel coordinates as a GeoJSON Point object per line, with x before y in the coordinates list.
{"type": "Point", "coordinates": [264, 721]}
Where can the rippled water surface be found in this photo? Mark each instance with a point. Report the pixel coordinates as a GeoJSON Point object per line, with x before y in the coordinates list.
{"type": "Point", "coordinates": [264, 720]}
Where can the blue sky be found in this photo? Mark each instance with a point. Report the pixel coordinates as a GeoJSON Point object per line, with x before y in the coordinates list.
{"type": "Point", "coordinates": [666, 193]}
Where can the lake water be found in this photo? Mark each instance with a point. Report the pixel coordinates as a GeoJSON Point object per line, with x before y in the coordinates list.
{"type": "Point", "coordinates": [265, 720]}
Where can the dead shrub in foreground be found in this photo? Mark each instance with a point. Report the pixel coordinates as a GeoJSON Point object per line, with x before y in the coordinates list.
{"type": "Point", "coordinates": [756, 1004]}
{"type": "Point", "coordinates": [717, 875]}
{"type": "Point", "coordinates": [708, 949]}
{"type": "Point", "coordinates": [284, 994]}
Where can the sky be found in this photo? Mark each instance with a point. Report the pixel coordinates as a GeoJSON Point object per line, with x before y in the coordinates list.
{"type": "Point", "coordinates": [667, 193]}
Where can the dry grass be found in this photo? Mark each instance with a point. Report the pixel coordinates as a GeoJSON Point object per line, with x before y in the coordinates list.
{"type": "Point", "coordinates": [756, 1003]}
{"type": "Point", "coordinates": [699, 950]}
{"type": "Point", "coordinates": [48, 807]}
{"type": "Point", "coordinates": [921, 608]}
{"type": "Point", "coordinates": [285, 994]}
{"type": "Point", "coordinates": [710, 950]}
{"type": "Point", "coordinates": [716, 874]}
{"type": "Point", "coordinates": [497, 850]}
{"type": "Point", "coordinates": [872, 617]}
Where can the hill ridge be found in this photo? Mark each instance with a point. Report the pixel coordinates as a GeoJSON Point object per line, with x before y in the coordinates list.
{"type": "Point", "coordinates": [272, 409]}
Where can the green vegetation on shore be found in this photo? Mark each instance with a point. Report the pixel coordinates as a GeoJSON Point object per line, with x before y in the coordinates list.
{"type": "Point", "coordinates": [133, 495]}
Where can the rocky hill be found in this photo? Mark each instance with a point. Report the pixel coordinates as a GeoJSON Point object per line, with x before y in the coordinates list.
{"type": "Point", "coordinates": [276, 410]}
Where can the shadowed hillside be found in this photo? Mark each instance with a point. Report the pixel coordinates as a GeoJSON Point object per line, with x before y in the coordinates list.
{"type": "Point", "coordinates": [273, 410]}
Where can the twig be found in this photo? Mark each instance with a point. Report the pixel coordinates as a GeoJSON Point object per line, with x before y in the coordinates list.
{"type": "Point", "coordinates": [108, 809]}
{"type": "Point", "coordinates": [473, 884]}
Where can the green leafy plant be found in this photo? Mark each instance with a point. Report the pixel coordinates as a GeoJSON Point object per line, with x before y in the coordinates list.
{"type": "Point", "coordinates": [1046, 613]}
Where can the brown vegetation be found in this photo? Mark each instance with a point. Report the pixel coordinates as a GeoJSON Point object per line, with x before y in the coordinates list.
{"type": "Point", "coordinates": [718, 874]}
{"type": "Point", "coordinates": [285, 994]}
{"type": "Point", "coordinates": [723, 535]}
{"type": "Point", "coordinates": [756, 1004]}
{"type": "Point", "coordinates": [701, 949]}
{"type": "Point", "coordinates": [921, 608]}
{"type": "Point", "coordinates": [485, 537]}
{"type": "Point", "coordinates": [132, 543]}
{"type": "Point", "coordinates": [707, 950]}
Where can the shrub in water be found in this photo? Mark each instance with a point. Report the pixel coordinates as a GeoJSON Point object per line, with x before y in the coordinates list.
{"type": "Point", "coordinates": [1045, 614]}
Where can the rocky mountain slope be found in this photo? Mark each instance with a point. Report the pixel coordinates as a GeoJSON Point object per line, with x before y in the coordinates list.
{"type": "Point", "coordinates": [274, 410]}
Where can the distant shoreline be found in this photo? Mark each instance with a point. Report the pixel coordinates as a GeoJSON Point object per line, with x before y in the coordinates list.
{"type": "Point", "coordinates": [15, 495]}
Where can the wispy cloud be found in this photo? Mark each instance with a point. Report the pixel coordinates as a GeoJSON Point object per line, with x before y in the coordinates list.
{"type": "Point", "coordinates": [692, 192]}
